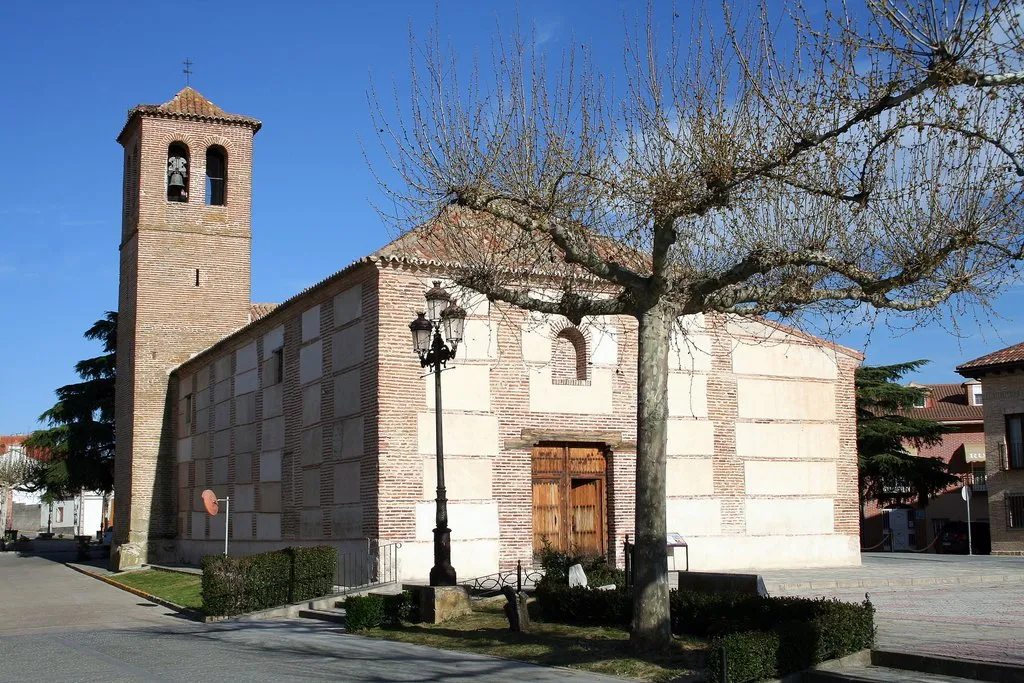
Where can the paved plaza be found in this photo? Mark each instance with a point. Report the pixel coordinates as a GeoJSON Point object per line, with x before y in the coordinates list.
{"type": "Point", "coordinates": [59, 625]}
{"type": "Point", "coordinates": [946, 605]}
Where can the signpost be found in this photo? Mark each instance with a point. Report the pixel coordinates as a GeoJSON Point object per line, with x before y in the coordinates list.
{"type": "Point", "coordinates": [210, 501]}
{"type": "Point", "coordinates": [965, 493]}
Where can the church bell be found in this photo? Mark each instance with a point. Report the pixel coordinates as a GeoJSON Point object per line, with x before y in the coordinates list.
{"type": "Point", "coordinates": [176, 181]}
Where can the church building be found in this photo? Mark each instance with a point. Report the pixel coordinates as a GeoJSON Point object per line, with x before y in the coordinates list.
{"type": "Point", "coordinates": [315, 418]}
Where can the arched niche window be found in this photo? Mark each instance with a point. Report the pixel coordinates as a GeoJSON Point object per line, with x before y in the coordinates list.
{"type": "Point", "coordinates": [216, 176]}
{"type": "Point", "coordinates": [179, 168]}
{"type": "Point", "coordinates": [569, 357]}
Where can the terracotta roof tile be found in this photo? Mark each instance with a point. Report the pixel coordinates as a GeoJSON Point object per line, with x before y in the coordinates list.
{"type": "Point", "coordinates": [257, 311]}
{"type": "Point", "coordinates": [442, 245]}
{"type": "Point", "coordinates": [947, 403]}
{"type": "Point", "coordinates": [190, 104]}
{"type": "Point", "coordinates": [1010, 356]}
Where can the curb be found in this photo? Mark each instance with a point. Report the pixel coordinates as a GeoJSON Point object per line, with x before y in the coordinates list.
{"type": "Point", "coordinates": [185, 611]}
{"type": "Point", "coordinates": [974, 669]}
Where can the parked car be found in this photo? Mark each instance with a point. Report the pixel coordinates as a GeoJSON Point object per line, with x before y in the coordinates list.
{"type": "Point", "coordinates": [953, 538]}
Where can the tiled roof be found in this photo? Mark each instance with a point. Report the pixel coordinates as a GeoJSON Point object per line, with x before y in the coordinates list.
{"type": "Point", "coordinates": [257, 311]}
{"type": "Point", "coordinates": [14, 439]}
{"type": "Point", "coordinates": [440, 245]}
{"type": "Point", "coordinates": [947, 403]}
{"type": "Point", "coordinates": [190, 104]}
{"type": "Point", "coordinates": [433, 245]}
{"type": "Point", "coordinates": [1010, 356]}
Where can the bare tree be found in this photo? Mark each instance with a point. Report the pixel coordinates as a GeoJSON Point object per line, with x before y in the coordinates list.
{"type": "Point", "coordinates": [16, 469]}
{"type": "Point", "coordinates": [764, 164]}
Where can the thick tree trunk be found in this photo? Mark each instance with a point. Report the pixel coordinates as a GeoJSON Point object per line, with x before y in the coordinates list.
{"type": "Point", "coordinates": [651, 626]}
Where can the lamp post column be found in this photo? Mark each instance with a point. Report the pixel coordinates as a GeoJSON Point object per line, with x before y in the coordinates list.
{"type": "Point", "coordinates": [442, 573]}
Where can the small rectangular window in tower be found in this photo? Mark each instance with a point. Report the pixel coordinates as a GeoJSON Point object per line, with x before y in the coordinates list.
{"type": "Point", "coordinates": [188, 414]}
{"type": "Point", "coordinates": [278, 355]}
{"type": "Point", "coordinates": [197, 277]}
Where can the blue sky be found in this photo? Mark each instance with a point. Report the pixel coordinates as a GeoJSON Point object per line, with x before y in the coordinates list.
{"type": "Point", "coordinates": [73, 69]}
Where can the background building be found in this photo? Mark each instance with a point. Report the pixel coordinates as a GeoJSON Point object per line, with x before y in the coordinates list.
{"type": "Point", "coordinates": [904, 528]}
{"type": "Point", "coordinates": [1002, 380]}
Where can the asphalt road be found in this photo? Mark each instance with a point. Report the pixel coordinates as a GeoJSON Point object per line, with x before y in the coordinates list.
{"type": "Point", "coordinates": [59, 625]}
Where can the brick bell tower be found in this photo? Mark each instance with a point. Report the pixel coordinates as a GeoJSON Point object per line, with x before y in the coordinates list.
{"type": "Point", "coordinates": [184, 285]}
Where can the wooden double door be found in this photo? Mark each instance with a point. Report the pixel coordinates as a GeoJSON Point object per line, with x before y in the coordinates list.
{"type": "Point", "coordinates": [569, 498]}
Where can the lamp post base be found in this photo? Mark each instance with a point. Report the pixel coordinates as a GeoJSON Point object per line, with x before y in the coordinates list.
{"type": "Point", "coordinates": [442, 573]}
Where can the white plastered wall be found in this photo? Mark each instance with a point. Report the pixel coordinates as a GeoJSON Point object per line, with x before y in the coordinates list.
{"type": "Point", "coordinates": [787, 444]}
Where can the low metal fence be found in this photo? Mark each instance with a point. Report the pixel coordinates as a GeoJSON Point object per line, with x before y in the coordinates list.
{"type": "Point", "coordinates": [376, 565]}
{"type": "Point", "coordinates": [520, 578]}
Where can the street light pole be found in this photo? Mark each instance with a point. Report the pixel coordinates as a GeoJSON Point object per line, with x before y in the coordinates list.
{"type": "Point", "coordinates": [435, 354]}
{"type": "Point", "coordinates": [442, 573]}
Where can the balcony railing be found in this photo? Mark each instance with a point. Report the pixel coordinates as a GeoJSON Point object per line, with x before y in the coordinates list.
{"type": "Point", "coordinates": [978, 481]}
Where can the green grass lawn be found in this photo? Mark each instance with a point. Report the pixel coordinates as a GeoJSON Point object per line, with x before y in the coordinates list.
{"type": "Point", "coordinates": [590, 648]}
{"type": "Point", "coordinates": [181, 589]}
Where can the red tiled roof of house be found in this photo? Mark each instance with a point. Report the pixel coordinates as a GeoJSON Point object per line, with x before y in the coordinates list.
{"type": "Point", "coordinates": [7, 442]}
{"type": "Point", "coordinates": [257, 311]}
{"type": "Point", "coordinates": [190, 104]}
{"type": "Point", "coordinates": [947, 403]}
{"type": "Point", "coordinates": [1010, 356]}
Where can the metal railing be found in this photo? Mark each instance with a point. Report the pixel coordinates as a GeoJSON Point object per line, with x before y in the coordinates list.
{"type": "Point", "coordinates": [376, 566]}
{"type": "Point", "coordinates": [491, 584]}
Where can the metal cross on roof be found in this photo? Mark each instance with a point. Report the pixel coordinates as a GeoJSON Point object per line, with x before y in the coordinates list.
{"type": "Point", "coordinates": [187, 71]}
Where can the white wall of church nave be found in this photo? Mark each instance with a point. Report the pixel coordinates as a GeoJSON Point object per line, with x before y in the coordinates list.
{"type": "Point", "coordinates": [464, 387]}
{"type": "Point", "coordinates": [787, 440]}
{"type": "Point", "coordinates": [771, 399]}
{"type": "Point", "coordinates": [733, 553]}
{"type": "Point", "coordinates": [464, 478]}
{"type": "Point", "coordinates": [470, 558]}
{"type": "Point", "coordinates": [464, 434]}
{"type": "Point", "coordinates": [594, 398]}
{"type": "Point", "coordinates": [776, 478]}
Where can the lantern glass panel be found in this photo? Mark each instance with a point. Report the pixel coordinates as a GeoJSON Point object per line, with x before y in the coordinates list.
{"type": "Point", "coordinates": [454, 326]}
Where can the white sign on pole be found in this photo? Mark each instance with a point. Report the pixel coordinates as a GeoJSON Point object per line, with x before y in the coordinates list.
{"type": "Point", "coordinates": [965, 493]}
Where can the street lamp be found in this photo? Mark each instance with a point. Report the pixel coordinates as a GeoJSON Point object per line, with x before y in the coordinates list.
{"type": "Point", "coordinates": [434, 353]}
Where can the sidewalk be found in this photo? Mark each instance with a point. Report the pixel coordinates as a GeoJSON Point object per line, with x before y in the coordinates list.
{"type": "Point", "coordinates": [945, 605]}
{"type": "Point", "coordinates": [886, 570]}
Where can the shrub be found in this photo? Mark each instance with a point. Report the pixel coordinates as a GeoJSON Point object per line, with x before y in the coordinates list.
{"type": "Point", "coordinates": [750, 656]}
{"type": "Point", "coordinates": [364, 611]}
{"type": "Point", "coordinates": [372, 610]}
{"type": "Point", "coordinates": [763, 637]}
{"type": "Point", "coordinates": [404, 606]}
{"type": "Point", "coordinates": [584, 606]}
{"type": "Point", "coordinates": [232, 585]}
{"type": "Point", "coordinates": [556, 565]}
{"type": "Point", "coordinates": [314, 572]}
{"type": "Point", "coordinates": [790, 634]}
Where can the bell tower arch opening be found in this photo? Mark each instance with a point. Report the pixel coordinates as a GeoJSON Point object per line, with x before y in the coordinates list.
{"type": "Point", "coordinates": [177, 172]}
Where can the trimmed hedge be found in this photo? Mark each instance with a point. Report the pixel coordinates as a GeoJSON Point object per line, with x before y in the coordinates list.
{"type": "Point", "coordinates": [584, 606]}
{"type": "Point", "coordinates": [372, 610]}
{"type": "Point", "coordinates": [233, 585]}
{"type": "Point", "coordinates": [751, 657]}
{"type": "Point", "coordinates": [364, 611]}
{"type": "Point", "coordinates": [763, 637]}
